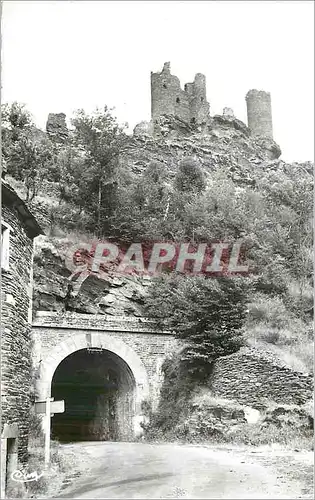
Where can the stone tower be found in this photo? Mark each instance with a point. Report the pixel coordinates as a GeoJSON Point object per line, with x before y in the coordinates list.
{"type": "Point", "coordinates": [168, 98]}
{"type": "Point", "coordinates": [199, 107]}
{"type": "Point", "coordinates": [259, 116]}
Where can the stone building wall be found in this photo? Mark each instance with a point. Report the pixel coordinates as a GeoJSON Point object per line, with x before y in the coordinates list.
{"type": "Point", "coordinates": [16, 331]}
{"type": "Point", "coordinates": [254, 378]}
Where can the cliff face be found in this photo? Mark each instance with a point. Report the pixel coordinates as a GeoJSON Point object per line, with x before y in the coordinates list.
{"type": "Point", "coordinates": [117, 296]}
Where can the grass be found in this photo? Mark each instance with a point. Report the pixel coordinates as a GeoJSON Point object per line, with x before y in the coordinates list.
{"type": "Point", "coordinates": [258, 435]}
{"type": "Point", "coordinates": [211, 420]}
{"type": "Point", "coordinates": [271, 324]}
{"type": "Point", "coordinates": [204, 397]}
{"type": "Point", "coordinates": [299, 356]}
{"type": "Point", "coordinates": [51, 480]}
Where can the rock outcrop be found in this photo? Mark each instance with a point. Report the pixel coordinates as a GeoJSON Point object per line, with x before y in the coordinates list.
{"type": "Point", "coordinates": [54, 291]}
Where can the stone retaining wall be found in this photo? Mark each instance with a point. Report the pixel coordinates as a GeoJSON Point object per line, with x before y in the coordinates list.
{"type": "Point", "coordinates": [254, 378]}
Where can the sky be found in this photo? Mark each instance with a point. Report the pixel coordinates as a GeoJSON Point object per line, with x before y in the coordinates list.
{"type": "Point", "coordinates": [64, 55]}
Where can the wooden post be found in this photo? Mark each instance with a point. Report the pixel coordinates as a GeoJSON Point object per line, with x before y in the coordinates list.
{"type": "Point", "coordinates": [47, 433]}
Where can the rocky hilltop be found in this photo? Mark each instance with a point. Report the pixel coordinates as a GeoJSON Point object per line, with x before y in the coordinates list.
{"type": "Point", "coordinates": [225, 143]}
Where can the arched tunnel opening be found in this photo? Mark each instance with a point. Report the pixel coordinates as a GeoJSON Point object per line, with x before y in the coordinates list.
{"type": "Point", "coordinates": [98, 389]}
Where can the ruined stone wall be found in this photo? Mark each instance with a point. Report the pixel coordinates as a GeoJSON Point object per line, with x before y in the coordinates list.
{"type": "Point", "coordinates": [16, 331]}
{"type": "Point", "coordinates": [191, 106]}
{"type": "Point", "coordinates": [56, 127]}
{"type": "Point", "coordinates": [253, 378]}
{"type": "Point", "coordinates": [168, 98]}
{"type": "Point", "coordinates": [259, 115]}
{"type": "Point", "coordinates": [199, 107]}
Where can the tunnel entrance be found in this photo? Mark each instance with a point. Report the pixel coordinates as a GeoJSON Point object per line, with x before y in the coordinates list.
{"type": "Point", "coordinates": [98, 388]}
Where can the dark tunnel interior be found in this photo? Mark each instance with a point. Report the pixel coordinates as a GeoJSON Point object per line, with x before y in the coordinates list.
{"type": "Point", "coordinates": [97, 387]}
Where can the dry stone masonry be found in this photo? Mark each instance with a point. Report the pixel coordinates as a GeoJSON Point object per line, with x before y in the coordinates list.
{"type": "Point", "coordinates": [255, 378]}
{"type": "Point", "coordinates": [56, 126]}
{"type": "Point", "coordinates": [105, 318]}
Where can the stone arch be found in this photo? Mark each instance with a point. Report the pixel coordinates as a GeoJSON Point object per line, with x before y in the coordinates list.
{"type": "Point", "coordinates": [78, 341]}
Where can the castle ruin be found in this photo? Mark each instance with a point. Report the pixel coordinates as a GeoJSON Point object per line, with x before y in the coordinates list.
{"type": "Point", "coordinates": [259, 116]}
{"type": "Point", "coordinates": [191, 105]}
{"type": "Point", "coordinates": [168, 98]}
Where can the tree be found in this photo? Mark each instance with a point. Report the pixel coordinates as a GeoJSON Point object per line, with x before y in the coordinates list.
{"type": "Point", "coordinates": [70, 164]}
{"type": "Point", "coordinates": [102, 141]}
{"type": "Point", "coordinates": [29, 160]}
{"type": "Point", "coordinates": [27, 151]}
{"type": "Point", "coordinates": [142, 203]}
{"type": "Point", "coordinates": [15, 121]}
{"type": "Point", "coordinates": [206, 313]}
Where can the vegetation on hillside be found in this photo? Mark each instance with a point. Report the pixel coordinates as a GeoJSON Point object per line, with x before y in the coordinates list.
{"type": "Point", "coordinates": [271, 216]}
{"type": "Point", "coordinates": [206, 314]}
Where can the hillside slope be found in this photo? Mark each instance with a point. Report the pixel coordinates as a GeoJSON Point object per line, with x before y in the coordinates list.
{"type": "Point", "coordinates": [250, 168]}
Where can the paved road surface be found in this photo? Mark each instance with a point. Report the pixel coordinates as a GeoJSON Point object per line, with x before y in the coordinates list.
{"type": "Point", "coordinates": [141, 470]}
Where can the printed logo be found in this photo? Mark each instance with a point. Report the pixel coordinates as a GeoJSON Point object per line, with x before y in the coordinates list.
{"type": "Point", "coordinates": [22, 476]}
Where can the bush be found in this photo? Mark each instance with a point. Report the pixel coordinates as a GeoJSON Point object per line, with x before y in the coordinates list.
{"type": "Point", "coordinates": [174, 395]}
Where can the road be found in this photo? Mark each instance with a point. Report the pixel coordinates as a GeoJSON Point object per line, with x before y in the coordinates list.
{"type": "Point", "coordinates": [141, 470]}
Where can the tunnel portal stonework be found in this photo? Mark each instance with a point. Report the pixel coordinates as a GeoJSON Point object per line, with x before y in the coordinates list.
{"type": "Point", "coordinates": [133, 340]}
